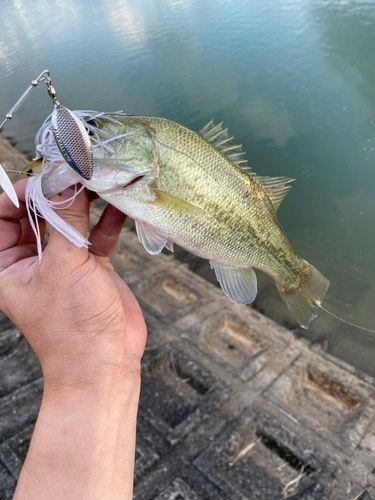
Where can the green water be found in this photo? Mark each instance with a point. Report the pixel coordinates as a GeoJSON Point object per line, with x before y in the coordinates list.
{"type": "Point", "coordinates": [293, 80]}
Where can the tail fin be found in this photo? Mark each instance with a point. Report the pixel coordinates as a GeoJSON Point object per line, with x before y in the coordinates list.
{"type": "Point", "coordinates": [303, 300]}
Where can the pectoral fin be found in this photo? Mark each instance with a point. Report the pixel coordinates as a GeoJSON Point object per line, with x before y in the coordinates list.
{"type": "Point", "coordinates": [171, 202]}
{"type": "Point", "coordinates": [238, 283]}
{"type": "Point", "coordinates": [151, 238]}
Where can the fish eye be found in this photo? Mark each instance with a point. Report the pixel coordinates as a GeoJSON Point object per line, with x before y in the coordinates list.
{"type": "Point", "coordinates": [29, 172]}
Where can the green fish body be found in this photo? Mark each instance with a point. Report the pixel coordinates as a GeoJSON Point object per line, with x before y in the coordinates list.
{"type": "Point", "coordinates": [191, 189]}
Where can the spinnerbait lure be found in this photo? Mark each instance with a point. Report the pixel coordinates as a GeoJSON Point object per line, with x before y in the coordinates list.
{"type": "Point", "coordinates": [70, 135]}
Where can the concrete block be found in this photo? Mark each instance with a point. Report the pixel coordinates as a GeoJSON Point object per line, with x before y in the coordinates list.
{"type": "Point", "coordinates": [7, 484]}
{"type": "Point", "coordinates": [178, 490]}
{"type": "Point", "coordinates": [251, 461]}
{"type": "Point", "coordinates": [321, 349]}
{"type": "Point", "coordinates": [5, 325]}
{"type": "Point", "coordinates": [345, 489]}
{"type": "Point", "coordinates": [145, 458]}
{"type": "Point", "coordinates": [10, 337]}
{"type": "Point", "coordinates": [241, 340]}
{"type": "Point", "coordinates": [151, 437]}
{"type": "Point", "coordinates": [19, 409]}
{"type": "Point", "coordinates": [168, 293]}
{"type": "Point", "coordinates": [321, 399]}
{"type": "Point", "coordinates": [361, 466]}
{"type": "Point", "coordinates": [18, 367]}
{"type": "Point", "coordinates": [176, 478]}
{"type": "Point", "coordinates": [368, 494]}
{"type": "Point", "coordinates": [177, 393]}
{"type": "Point", "coordinates": [13, 451]}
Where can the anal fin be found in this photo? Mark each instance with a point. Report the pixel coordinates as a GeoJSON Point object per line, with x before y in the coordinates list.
{"type": "Point", "coordinates": [238, 283]}
{"type": "Point", "coordinates": [169, 246]}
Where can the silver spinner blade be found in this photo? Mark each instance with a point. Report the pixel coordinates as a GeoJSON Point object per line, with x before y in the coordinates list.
{"type": "Point", "coordinates": [73, 141]}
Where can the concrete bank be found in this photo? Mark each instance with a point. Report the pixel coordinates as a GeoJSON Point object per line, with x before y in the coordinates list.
{"type": "Point", "coordinates": [10, 158]}
{"type": "Point", "coordinates": [233, 406]}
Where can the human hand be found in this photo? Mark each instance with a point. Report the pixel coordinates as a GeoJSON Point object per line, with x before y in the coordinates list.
{"type": "Point", "coordinates": [87, 329]}
{"type": "Point", "coordinates": [77, 314]}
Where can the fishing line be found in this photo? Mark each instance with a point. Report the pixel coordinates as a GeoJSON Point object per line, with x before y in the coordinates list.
{"type": "Point", "coordinates": [321, 307]}
{"type": "Point", "coordinates": [345, 321]}
{"type": "Point", "coordinates": [8, 171]}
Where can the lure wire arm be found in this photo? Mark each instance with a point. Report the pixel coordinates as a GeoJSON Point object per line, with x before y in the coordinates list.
{"type": "Point", "coordinates": [70, 135]}
{"type": "Point", "coordinates": [5, 182]}
{"type": "Point", "coordinates": [43, 77]}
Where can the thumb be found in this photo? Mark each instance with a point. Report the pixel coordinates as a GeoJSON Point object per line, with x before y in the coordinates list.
{"type": "Point", "coordinates": [75, 214]}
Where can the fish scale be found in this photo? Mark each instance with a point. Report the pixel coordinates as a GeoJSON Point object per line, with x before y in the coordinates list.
{"type": "Point", "coordinates": [219, 178]}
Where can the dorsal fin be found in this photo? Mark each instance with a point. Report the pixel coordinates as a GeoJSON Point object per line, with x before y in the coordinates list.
{"type": "Point", "coordinates": [275, 188]}
{"type": "Point", "coordinates": [218, 137]}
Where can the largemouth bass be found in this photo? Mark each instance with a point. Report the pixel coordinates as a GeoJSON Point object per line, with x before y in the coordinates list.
{"type": "Point", "coordinates": [192, 189]}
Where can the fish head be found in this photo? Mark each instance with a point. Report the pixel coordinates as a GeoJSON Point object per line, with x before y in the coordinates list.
{"type": "Point", "coordinates": [110, 176]}
{"type": "Point", "coordinates": [113, 175]}
{"type": "Point", "coordinates": [123, 154]}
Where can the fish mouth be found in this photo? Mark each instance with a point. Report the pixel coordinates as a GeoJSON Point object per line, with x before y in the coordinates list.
{"type": "Point", "coordinates": [122, 187]}
{"type": "Point", "coordinates": [134, 181]}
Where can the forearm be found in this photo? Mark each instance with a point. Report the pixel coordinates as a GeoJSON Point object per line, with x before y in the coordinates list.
{"type": "Point", "coordinates": [83, 445]}
{"type": "Point", "coordinates": [89, 343]}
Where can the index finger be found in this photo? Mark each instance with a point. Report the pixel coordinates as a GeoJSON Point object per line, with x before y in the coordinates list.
{"type": "Point", "coordinates": [105, 233]}
{"type": "Point", "coordinates": [10, 211]}
{"type": "Point", "coordinates": [11, 216]}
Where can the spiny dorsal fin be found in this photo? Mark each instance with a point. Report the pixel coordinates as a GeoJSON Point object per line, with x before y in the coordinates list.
{"type": "Point", "coordinates": [218, 137]}
{"type": "Point", "coordinates": [275, 187]}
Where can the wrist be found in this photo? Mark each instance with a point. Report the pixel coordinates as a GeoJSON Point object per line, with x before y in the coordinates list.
{"type": "Point", "coordinates": [84, 440]}
{"type": "Point", "coordinates": [106, 376]}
